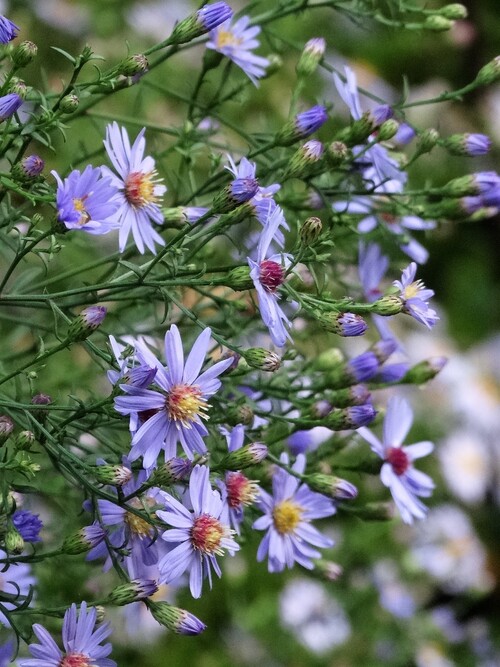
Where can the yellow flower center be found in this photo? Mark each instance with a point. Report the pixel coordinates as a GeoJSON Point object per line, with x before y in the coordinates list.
{"type": "Point", "coordinates": [412, 289]}
{"type": "Point", "coordinates": [140, 188]}
{"type": "Point", "coordinates": [184, 403]}
{"type": "Point", "coordinates": [136, 524]}
{"type": "Point", "coordinates": [286, 516]}
{"type": "Point", "coordinates": [79, 204]}
{"type": "Point", "coordinates": [227, 38]}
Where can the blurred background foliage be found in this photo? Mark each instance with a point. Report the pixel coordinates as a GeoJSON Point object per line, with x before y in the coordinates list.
{"type": "Point", "coordinates": [387, 609]}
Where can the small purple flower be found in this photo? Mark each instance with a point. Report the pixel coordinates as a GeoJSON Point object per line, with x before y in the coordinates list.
{"type": "Point", "coordinates": [398, 474]}
{"type": "Point", "coordinates": [267, 275]}
{"type": "Point", "coordinates": [15, 580]}
{"type": "Point", "coordinates": [6, 653]}
{"type": "Point", "coordinates": [139, 188]}
{"type": "Point", "coordinates": [309, 121]}
{"type": "Point", "coordinates": [8, 30]}
{"type": "Point", "coordinates": [81, 641]}
{"type": "Point", "coordinates": [28, 525]}
{"type": "Point", "coordinates": [199, 534]}
{"type": "Point", "coordinates": [210, 16]}
{"type": "Point", "coordinates": [236, 42]}
{"type": "Point", "coordinates": [9, 104]}
{"type": "Point", "coordinates": [175, 413]}
{"type": "Point", "coordinates": [415, 297]}
{"type": "Point", "coordinates": [404, 135]}
{"type": "Point", "coordinates": [471, 144]}
{"type": "Point", "coordinates": [32, 165]}
{"type": "Point", "coordinates": [86, 201]}
{"type": "Point", "coordinates": [288, 513]}
{"type": "Point", "coordinates": [243, 189]}
{"type": "Point", "coordinates": [350, 324]}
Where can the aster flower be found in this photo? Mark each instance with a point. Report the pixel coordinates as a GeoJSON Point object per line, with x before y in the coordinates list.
{"type": "Point", "coordinates": [199, 534]}
{"type": "Point", "coordinates": [81, 641]}
{"type": "Point", "coordinates": [290, 536]}
{"type": "Point", "coordinates": [416, 296]}
{"type": "Point", "coordinates": [140, 189]}
{"type": "Point", "coordinates": [28, 525]}
{"type": "Point", "coordinates": [6, 653]}
{"type": "Point", "coordinates": [15, 580]}
{"type": "Point", "coordinates": [9, 104]}
{"type": "Point", "coordinates": [405, 482]}
{"type": "Point", "coordinates": [8, 30]}
{"type": "Point", "coordinates": [268, 273]}
{"type": "Point", "coordinates": [236, 42]}
{"type": "Point", "coordinates": [179, 407]}
{"type": "Point", "coordinates": [86, 201]}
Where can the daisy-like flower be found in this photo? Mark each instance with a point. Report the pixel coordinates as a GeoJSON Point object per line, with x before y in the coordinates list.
{"type": "Point", "coordinates": [268, 273]}
{"type": "Point", "coordinates": [236, 43]}
{"type": "Point", "coordinates": [139, 188]}
{"type": "Point", "coordinates": [81, 641]}
{"type": "Point", "coordinates": [290, 536]}
{"type": "Point", "coordinates": [416, 297]}
{"type": "Point", "coordinates": [200, 534]}
{"type": "Point", "coordinates": [8, 30]}
{"type": "Point", "coordinates": [87, 201]}
{"type": "Point", "coordinates": [175, 412]}
{"type": "Point", "coordinates": [405, 482]}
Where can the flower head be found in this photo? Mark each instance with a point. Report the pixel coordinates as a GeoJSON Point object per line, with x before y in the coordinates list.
{"type": "Point", "coordinates": [28, 525]}
{"type": "Point", "coordinates": [398, 474]}
{"type": "Point", "coordinates": [86, 201]}
{"type": "Point", "coordinates": [9, 104]}
{"type": "Point", "coordinates": [174, 413]}
{"type": "Point", "coordinates": [416, 296]}
{"type": "Point", "coordinates": [81, 641]}
{"type": "Point", "coordinates": [200, 534]}
{"type": "Point", "coordinates": [236, 41]}
{"type": "Point", "coordinates": [290, 536]}
{"type": "Point", "coordinates": [8, 30]}
{"type": "Point", "coordinates": [139, 188]}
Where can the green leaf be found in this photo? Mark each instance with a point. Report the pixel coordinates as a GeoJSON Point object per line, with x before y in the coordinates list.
{"type": "Point", "coordinates": [67, 55]}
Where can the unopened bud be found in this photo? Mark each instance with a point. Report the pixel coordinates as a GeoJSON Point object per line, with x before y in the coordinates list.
{"type": "Point", "coordinates": [343, 324]}
{"type": "Point", "coordinates": [388, 305]}
{"type": "Point", "coordinates": [329, 359]}
{"type": "Point", "coordinates": [87, 321]}
{"type": "Point", "coordinates": [83, 540]}
{"type": "Point", "coordinates": [387, 130]}
{"type": "Point", "coordinates": [18, 87]}
{"type": "Point", "coordinates": [311, 56]}
{"type": "Point", "coordinates": [306, 161]}
{"type": "Point", "coordinates": [468, 145]}
{"type": "Point", "coordinates": [24, 53]}
{"type": "Point", "coordinates": [246, 456]}
{"type": "Point", "coordinates": [329, 485]}
{"type": "Point", "coordinates": [14, 543]}
{"type": "Point", "coordinates": [117, 475]}
{"type": "Point", "coordinates": [425, 370]}
{"type": "Point", "coordinates": [171, 472]}
{"type": "Point", "coordinates": [41, 399]}
{"type": "Point", "coordinates": [489, 73]}
{"type": "Point", "coordinates": [437, 23]}
{"type": "Point", "coordinates": [178, 620]}
{"type": "Point", "coordinates": [350, 418]}
{"type": "Point", "coordinates": [426, 141]}
{"type": "Point", "coordinates": [311, 230]}
{"type": "Point", "coordinates": [235, 194]}
{"type": "Point", "coordinates": [69, 103]}
{"type": "Point", "coordinates": [239, 414]}
{"type": "Point", "coordinates": [239, 279]}
{"type": "Point", "coordinates": [24, 441]}
{"type": "Point", "coordinates": [29, 169]}
{"type": "Point", "coordinates": [263, 360]}
{"type": "Point", "coordinates": [137, 589]}
{"type": "Point", "coordinates": [302, 126]}
{"type": "Point", "coordinates": [454, 12]}
{"type": "Point", "coordinates": [328, 570]}
{"type": "Point", "coordinates": [200, 22]}
{"type": "Point", "coordinates": [358, 394]}
{"type": "Point", "coordinates": [136, 64]}
{"type": "Point", "coordinates": [6, 428]}
{"type": "Point", "coordinates": [336, 153]}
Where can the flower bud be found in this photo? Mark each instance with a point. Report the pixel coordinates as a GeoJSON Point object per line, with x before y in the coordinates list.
{"type": "Point", "coordinates": [233, 195]}
{"type": "Point", "coordinates": [9, 104]}
{"type": "Point", "coordinates": [303, 125]}
{"type": "Point", "coordinates": [311, 56]}
{"type": "Point", "coordinates": [83, 540]}
{"type": "Point", "coordinates": [310, 230]}
{"type": "Point", "coordinates": [426, 141]}
{"type": "Point", "coordinates": [437, 23]}
{"type": "Point", "coordinates": [387, 130]}
{"type": "Point", "coordinates": [8, 30]}
{"type": "Point", "coordinates": [263, 360]}
{"type": "Point", "coordinates": [178, 620]}
{"type": "Point", "coordinates": [329, 485]}
{"type": "Point", "coordinates": [172, 471]}
{"type": "Point", "coordinates": [6, 428]}
{"type": "Point", "coordinates": [87, 321]}
{"type": "Point", "coordinates": [200, 22]}
{"type": "Point", "coordinates": [137, 589]}
{"type": "Point", "coordinates": [29, 169]}
{"type": "Point", "coordinates": [425, 370]}
{"type": "Point", "coordinates": [239, 414]}
{"type": "Point", "coordinates": [246, 456]}
{"type": "Point", "coordinates": [14, 543]}
{"type": "Point", "coordinates": [454, 11]}
{"type": "Point", "coordinates": [357, 394]}
{"type": "Point", "coordinates": [489, 73]}
{"type": "Point", "coordinates": [24, 441]}
{"type": "Point", "coordinates": [24, 53]}
{"type": "Point", "coordinates": [336, 153]}
{"type": "Point", "coordinates": [329, 359]}
{"type": "Point", "coordinates": [69, 103]}
{"type": "Point", "coordinates": [328, 570]}
{"type": "Point", "coordinates": [117, 475]}
{"type": "Point", "coordinates": [480, 183]}
{"type": "Point", "coordinates": [388, 305]}
{"type": "Point", "coordinates": [41, 399]}
{"type": "Point", "coordinates": [28, 525]}
{"type": "Point", "coordinates": [468, 145]}
{"type": "Point", "coordinates": [18, 87]}
{"type": "Point", "coordinates": [239, 279]}
{"type": "Point", "coordinates": [136, 64]}
{"type": "Point", "coordinates": [343, 324]}
{"type": "Point", "coordinates": [306, 161]}
{"type": "Point", "coordinates": [350, 418]}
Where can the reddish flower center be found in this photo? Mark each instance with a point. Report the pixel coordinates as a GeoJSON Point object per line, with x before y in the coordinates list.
{"type": "Point", "coordinates": [398, 459]}
{"type": "Point", "coordinates": [140, 188]}
{"type": "Point", "coordinates": [207, 533]}
{"type": "Point", "coordinates": [184, 403]}
{"type": "Point", "coordinates": [271, 275]}
{"type": "Point", "coordinates": [240, 490]}
{"type": "Point", "coordinates": [75, 660]}
{"type": "Point", "coordinates": [388, 218]}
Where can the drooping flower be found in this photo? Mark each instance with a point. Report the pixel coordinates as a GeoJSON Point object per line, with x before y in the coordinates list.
{"type": "Point", "coordinates": [236, 42]}
{"type": "Point", "coordinates": [87, 201]}
{"type": "Point", "coordinates": [175, 413]}
{"type": "Point", "coordinates": [268, 273]}
{"type": "Point", "coordinates": [139, 188]}
{"type": "Point", "coordinates": [405, 482]}
{"type": "Point", "coordinates": [291, 537]}
{"type": "Point", "coordinates": [416, 296]}
{"type": "Point", "coordinates": [8, 30]}
{"type": "Point", "coordinates": [81, 641]}
{"type": "Point", "coordinates": [200, 534]}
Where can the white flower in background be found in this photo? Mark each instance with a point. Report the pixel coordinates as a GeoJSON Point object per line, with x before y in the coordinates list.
{"type": "Point", "coordinates": [466, 465]}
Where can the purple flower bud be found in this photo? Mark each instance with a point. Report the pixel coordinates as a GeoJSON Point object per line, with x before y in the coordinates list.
{"type": "Point", "coordinates": [393, 372]}
{"type": "Point", "coordinates": [8, 30]}
{"type": "Point", "coordinates": [243, 189]}
{"type": "Point", "coordinates": [404, 135]}
{"type": "Point", "coordinates": [28, 525]}
{"type": "Point", "coordinates": [9, 104]}
{"type": "Point", "coordinates": [175, 619]}
{"type": "Point", "coordinates": [311, 120]}
{"type": "Point", "coordinates": [137, 589]}
{"type": "Point", "coordinates": [210, 16]}
{"type": "Point", "coordinates": [381, 113]}
{"type": "Point", "coordinates": [362, 367]}
{"type": "Point", "coordinates": [468, 145]}
{"type": "Point", "coordinates": [351, 325]}
{"type": "Point", "coordinates": [32, 165]}
{"type": "Point", "coordinates": [87, 321]}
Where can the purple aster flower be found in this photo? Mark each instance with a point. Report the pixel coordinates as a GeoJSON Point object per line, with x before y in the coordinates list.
{"type": "Point", "coordinates": [15, 580]}
{"type": "Point", "coordinates": [267, 275]}
{"type": "Point", "coordinates": [81, 641]}
{"type": "Point", "coordinates": [290, 536]}
{"type": "Point", "coordinates": [236, 42]}
{"type": "Point", "coordinates": [350, 324]}
{"type": "Point", "coordinates": [28, 525]}
{"type": "Point", "coordinates": [308, 440]}
{"type": "Point", "coordinates": [405, 482]}
{"type": "Point", "coordinates": [311, 120]}
{"type": "Point", "coordinates": [470, 144]}
{"type": "Point", "coordinates": [32, 165]}
{"type": "Point", "coordinates": [9, 104]}
{"type": "Point", "coordinates": [175, 413]}
{"type": "Point", "coordinates": [86, 201]}
{"type": "Point", "coordinates": [199, 534]}
{"type": "Point", "coordinates": [415, 297]}
{"type": "Point", "coordinates": [210, 16]}
{"type": "Point", "coordinates": [139, 188]}
{"type": "Point", "coordinates": [8, 30]}
{"type": "Point", "coordinates": [6, 653]}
